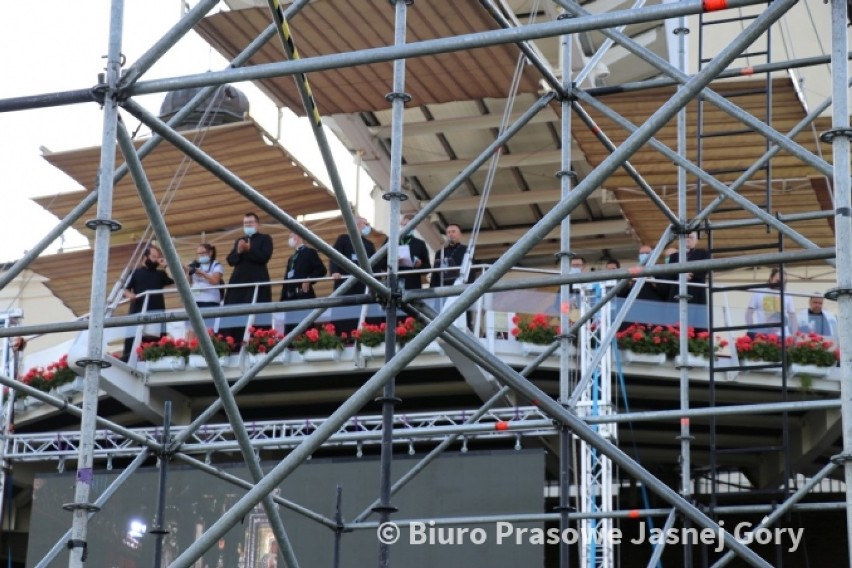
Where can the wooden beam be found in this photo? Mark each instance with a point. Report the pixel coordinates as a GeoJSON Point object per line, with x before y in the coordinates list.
{"type": "Point", "coordinates": [483, 122]}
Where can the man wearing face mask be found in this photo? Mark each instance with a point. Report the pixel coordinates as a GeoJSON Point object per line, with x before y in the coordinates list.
{"type": "Point", "coordinates": [304, 263]}
{"type": "Point", "coordinates": [413, 255]}
{"type": "Point", "coordinates": [249, 257]}
{"type": "Point", "coordinates": [451, 256]}
{"type": "Point", "coordinates": [343, 245]}
{"type": "Point", "coordinates": [149, 277]}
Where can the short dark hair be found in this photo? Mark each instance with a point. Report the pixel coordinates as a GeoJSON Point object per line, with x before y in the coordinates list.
{"type": "Point", "coordinates": [252, 214]}
{"type": "Point", "coordinates": [613, 261]}
{"type": "Point", "coordinates": [456, 225]}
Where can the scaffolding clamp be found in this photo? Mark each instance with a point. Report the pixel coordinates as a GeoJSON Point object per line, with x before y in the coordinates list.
{"type": "Point", "coordinates": [570, 173]}
{"type": "Point", "coordinates": [404, 97]}
{"type": "Point", "coordinates": [829, 135]}
{"type": "Point", "coordinates": [75, 543]}
{"type": "Point", "coordinates": [100, 363]}
{"type": "Point", "coordinates": [95, 223]}
{"type": "Point", "coordinates": [834, 293]}
{"type": "Point", "coordinates": [841, 459]}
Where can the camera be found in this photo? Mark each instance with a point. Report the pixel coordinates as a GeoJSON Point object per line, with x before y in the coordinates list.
{"type": "Point", "coordinates": [193, 266]}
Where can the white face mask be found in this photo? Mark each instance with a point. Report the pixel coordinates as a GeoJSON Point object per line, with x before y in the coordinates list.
{"type": "Point", "coordinates": [292, 242]}
{"type": "Point", "coordinates": [203, 259]}
{"type": "Point", "coordinates": [366, 230]}
{"type": "Point", "coordinates": [575, 270]}
{"type": "Point", "coordinates": [249, 231]}
{"type": "Point", "coordinates": [643, 257]}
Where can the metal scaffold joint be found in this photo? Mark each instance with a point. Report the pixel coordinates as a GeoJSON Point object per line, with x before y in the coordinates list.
{"type": "Point", "coordinates": [834, 294]}
{"type": "Point", "coordinates": [72, 544]}
{"type": "Point", "coordinates": [830, 135]}
{"type": "Point", "coordinates": [404, 97]}
{"type": "Point", "coordinates": [113, 226]}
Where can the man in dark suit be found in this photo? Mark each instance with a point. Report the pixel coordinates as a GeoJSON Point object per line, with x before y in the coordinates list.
{"type": "Point", "coordinates": [343, 245]}
{"type": "Point", "coordinates": [413, 255]}
{"type": "Point", "coordinates": [249, 257]}
{"type": "Point", "coordinates": [449, 257]}
{"type": "Point", "coordinates": [304, 263]}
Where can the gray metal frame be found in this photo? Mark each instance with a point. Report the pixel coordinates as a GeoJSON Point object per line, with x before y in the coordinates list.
{"type": "Point", "coordinates": [117, 90]}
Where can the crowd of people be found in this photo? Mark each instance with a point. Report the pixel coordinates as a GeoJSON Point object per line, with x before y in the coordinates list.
{"type": "Point", "coordinates": [248, 283]}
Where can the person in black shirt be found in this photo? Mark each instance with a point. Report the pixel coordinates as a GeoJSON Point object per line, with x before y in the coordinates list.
{"type": "Point", "coordinates": [304, 263]}
{"type": "Point", "coordinates": [413, 255]}
{"type": "Point", "coordinates": [249, 257]}
{"type": "Point", "coordinates": [149, 277]}
{"type": "Point", "coordinates": [343, 245]}
{"type": "Point", "coordinates": [693, 253]}
{"type": "Point", "coordinates": [451, 256]}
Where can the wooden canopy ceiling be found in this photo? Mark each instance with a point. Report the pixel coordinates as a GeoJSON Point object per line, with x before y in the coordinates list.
{"type": "Point", "coordinates": [795, 187]}
{"type": "Point", "coordinates": [364, 24]}
{"type": "Point", "coordinates": [198, 203]}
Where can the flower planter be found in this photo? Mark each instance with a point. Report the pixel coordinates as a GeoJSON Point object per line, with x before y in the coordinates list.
{"type": "Point", "coordinates": [797, 370]}
{"type": "Point", "coordinates": [634, 358]}
{"type": "Point", "coordinates": [375, 352]}
{"type": "Point", "coordinates": [22, 404]}
{"type": "Point", "coordinates": [197, 361]}
{"type": "Point", "coordinates": [34, 402]}
{"type": "Point", "coordinates": [283, 358]}
{"type": "Point", "coordinates": [167, 364]}
{"type": "Point", "coordinates": [692, 361]}
{"type": "Point", "coordinates": [775, 370]}
{"type": "Point", "coordinates": [70, 389]}
{"type": "Point", "coordinates": [534, 349]}
{"type": "Point", "coordinates": [315, 355]}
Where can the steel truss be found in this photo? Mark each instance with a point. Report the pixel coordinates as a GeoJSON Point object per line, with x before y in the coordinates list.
{"type": "Point", "coordinates": [117, 90]}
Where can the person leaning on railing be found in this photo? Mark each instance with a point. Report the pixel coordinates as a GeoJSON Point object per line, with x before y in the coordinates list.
{"type": "Point", "coordinates": [152, 276]}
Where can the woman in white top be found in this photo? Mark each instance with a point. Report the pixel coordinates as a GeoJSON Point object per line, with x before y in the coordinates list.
{"type": "Point", "coordinates": [206, 273]}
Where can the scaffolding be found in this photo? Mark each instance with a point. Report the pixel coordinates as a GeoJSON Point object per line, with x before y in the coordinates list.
{"type": "Point", "coordinates": [592, 432]}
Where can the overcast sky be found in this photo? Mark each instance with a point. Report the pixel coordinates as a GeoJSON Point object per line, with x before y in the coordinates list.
{"type": "Point", "coordinates": [60, 46]}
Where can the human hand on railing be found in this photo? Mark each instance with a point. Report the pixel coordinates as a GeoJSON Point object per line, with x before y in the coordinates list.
{"type": "Point", "coordinates": [306, 287]}
{"type": "Point", "coordinates": [336, 275]}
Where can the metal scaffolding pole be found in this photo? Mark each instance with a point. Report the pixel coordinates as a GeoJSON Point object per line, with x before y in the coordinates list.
{"type": "Point", "coordinates": [271, 208]}
{"type": "Point", "coordinates": [839, 137]}
{"type": "Point", "coordinates": [155, 217]}
{"type": "Point", "coordinates": [548, 222]}
{"type": "Point", "coordinates": [719, 101]}
{"type": "Point", "coordinates": [102, 500]}
{"type": "Point", "coordinates": [430, 47]}
{"type": "Point", "coordinates": [681, 162]}
{"type": "Point", "coordinates": [312, 111]}
{"type": "Point", "coordinates": [103, 226]}
{"type": "Point", "coordinates": [566, 178]}
{"type": "Point", "coordinates": [684, 299]}
{"type": "Point", "coordinates": [394, 197]}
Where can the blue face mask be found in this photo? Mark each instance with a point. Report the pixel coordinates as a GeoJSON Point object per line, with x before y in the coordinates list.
{"type": "Point", "coordinates": [643, 257]}
{"type": "Point", "coordinates": [575, 270]}
{"type": "Point", "coordinates": [203, 259]}
{"type": "Point", "coordinates": [249, 231]}
{"type": "Point", "coordinates": [366, 230]}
